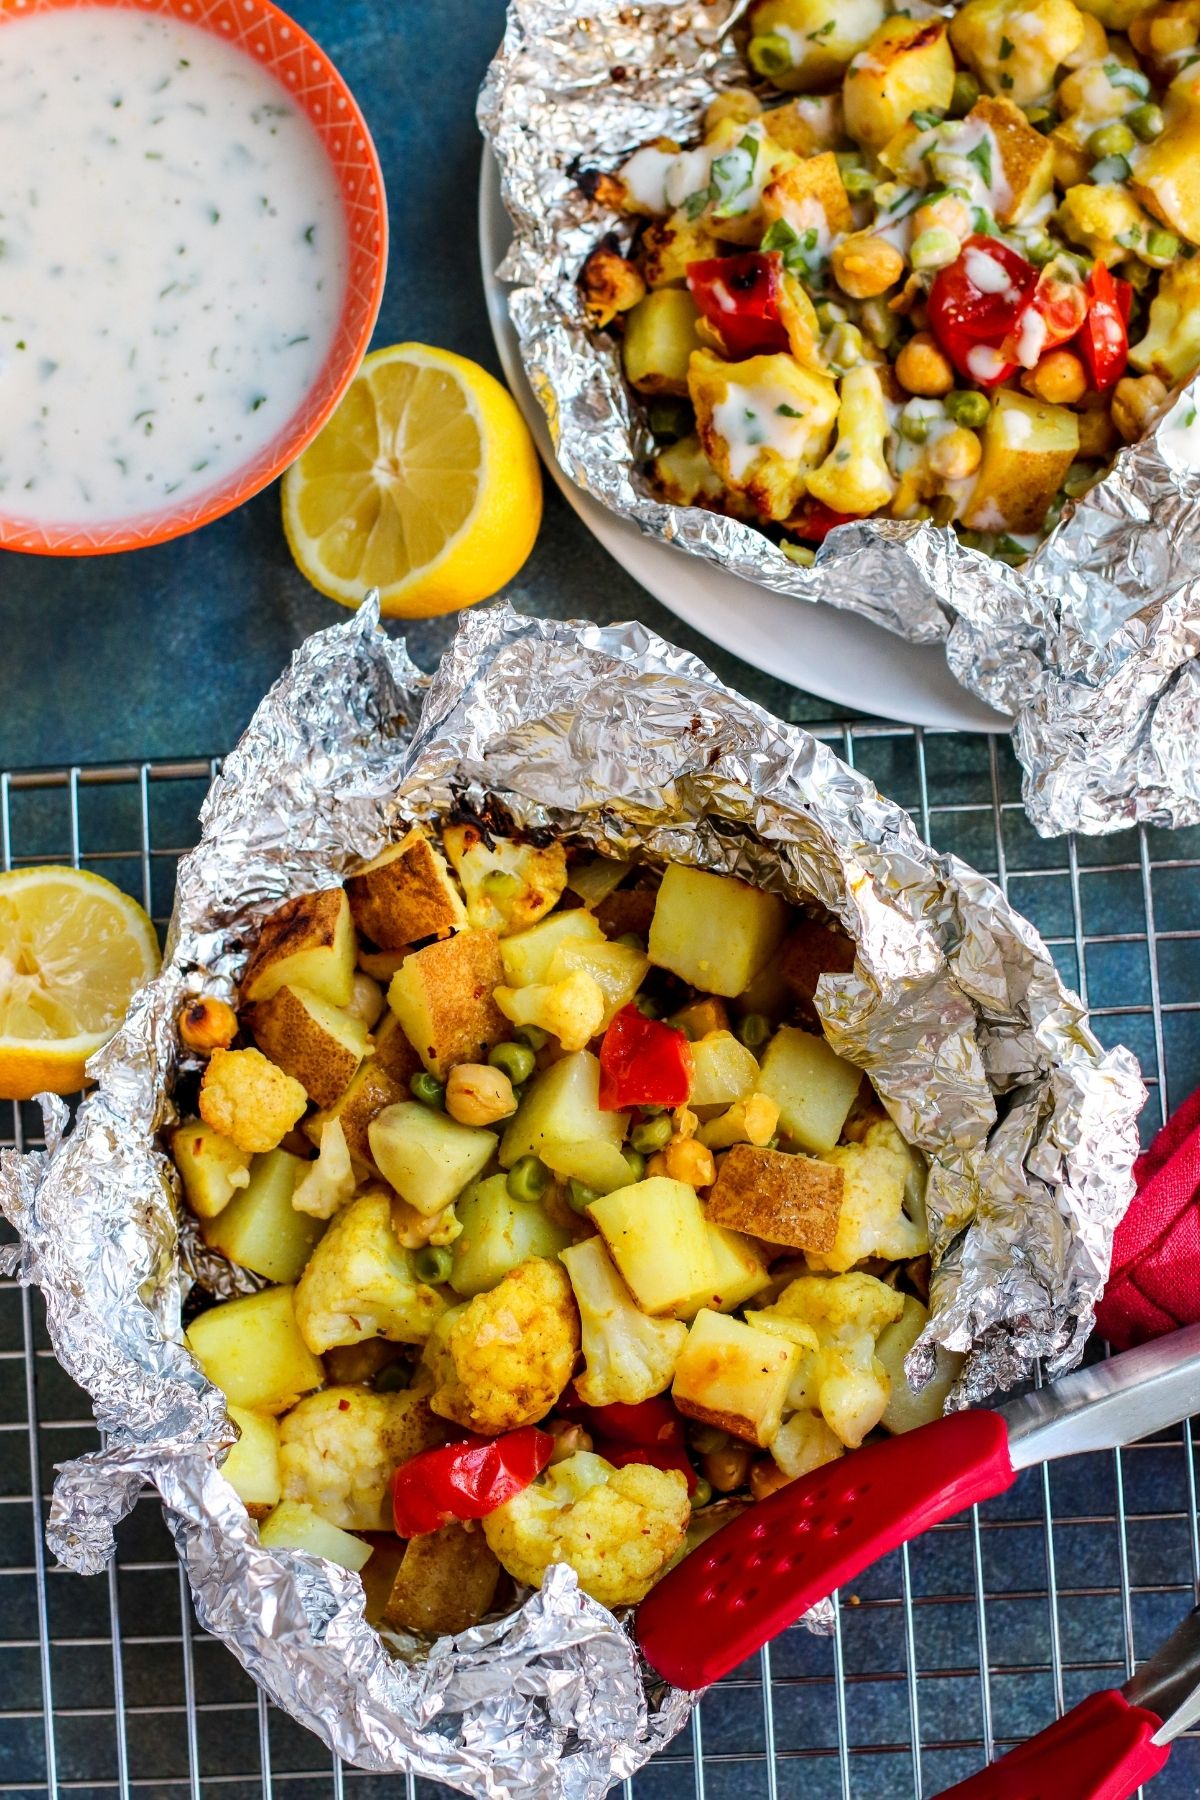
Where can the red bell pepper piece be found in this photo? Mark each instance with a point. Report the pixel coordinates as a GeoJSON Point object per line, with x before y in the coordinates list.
{"type": "Point", "coordinates": [1104, 340]}
{"type": "Point", "coordinates": [659, 1456]}
{"type": "Point", "coordinates": [739, 296]}
{"type": "Point", "coordinates": [645, 1423]}
{"type": "Point", "coordinates": [467, 1479]}
{"type": "Point", "coordinates": [815, 521]}
{"type": "Point", "coordinates": [644, 1063]}
{"type": "Point", "coordinates": [974, 304]}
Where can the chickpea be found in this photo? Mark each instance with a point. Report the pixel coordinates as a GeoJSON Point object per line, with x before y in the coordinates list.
{"type": "Point", "coordinates": [1093, 46]}
{"type": "Point", "coordinates": [1170, 31]}
{"type": "Point", "coordinates": [568, 1438]}
{"type": "Point", "coordinates": [947, 214]}
{"type": "Point", "coordinates": [955, 455]}
{"type": "Point", "coordinates": [206, 1024]}
{"type": "Point", "coordinates": [735, 103]}
{"type": "Point", "coordinates": [1136, 402]}
{"type": "Point", "coordinates": [864, 265]}
{"type": "Point", "coordinates": [1097, 433]}
{"type": "Point", "coordinates": [366, 999]}
{"type": "Point", "coordinates": [1059, 378]}
{"type": "Point", "coordinates": [921, 367]}
{"type": "Point", "coordinates": [727, 1468]}
{"type": "Point", "coordinates": [766, 1477]}
{"type": "Point", "coordinates": [690, 1161]}
{"type": "Point", "coordinates": [477, 1094]}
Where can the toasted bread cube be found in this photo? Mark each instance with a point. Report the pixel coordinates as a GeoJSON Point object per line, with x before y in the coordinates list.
{"type": "Point", "coordinates": [427, 1156]}
{"type": "Point", "coordinates": [320, 1045]}
{"type": "Point", "coordinates": [714, 930]}
{"type": "Point", "coordinates": [211, 1167]}
{"type": "Point", "coordinates": [252, 1466]}
{"type": "Point", "coordinates": [741, 1272]}
{"type": "Point", "coordinates": [812, 1086]}
{"type": "Point", "coordinates": [405, 895]}
{"type": "Point", "coordinates": [785, 1199]}
{"type": "Point", "coordinates": [1028, 446]}
{"type": "Point", "coordinates": [509, 886]}
{"type": "Point", "coordinates": [655, 1232]}
{"type": "Point", "coordinates": [906, 65]}
{"type": "Point", "coordinates": [307, 942]}
{"type": "Point", "coordinates": [295, 1526]}
{"type": "Point", "coordinates": [248, 1099]}
{"type": "Point", "coordinates": [811, 194]}
{"type": "Point", "coordinates": [442, 996]}
{"type": "Point", "coordinates": [446, 1582]}
{"type": "Point", "coordinates": [809, 951]}
{"type": "Point", "coordinates": [251, 1348]}
{"type": "Point", "coordinates": [371, 1090]}
{"type": "Point", "coordinates": [260, 1228]}
{"type": "Point", "coordinates": [669, 245]}
{"type": "Point", "coordinates": [1026, 157]}
{"type": "Point", "coordinates": [734, 1377]}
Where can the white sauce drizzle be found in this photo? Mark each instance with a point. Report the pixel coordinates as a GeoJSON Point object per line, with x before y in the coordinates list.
{"type": "Point", "coordinates": [751, 423]}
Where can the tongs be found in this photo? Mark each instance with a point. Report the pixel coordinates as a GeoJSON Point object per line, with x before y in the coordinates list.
{"type": "Point", "coordinates": [1105, 1748]}
{"type": "Point", "coordinates": [760, 1572]}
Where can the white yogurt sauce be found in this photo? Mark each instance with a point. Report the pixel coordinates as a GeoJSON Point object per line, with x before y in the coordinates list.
{"type": "Point", "coordinates": [172, 262]}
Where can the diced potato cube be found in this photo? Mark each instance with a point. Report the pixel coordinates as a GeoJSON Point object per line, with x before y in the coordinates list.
{"type": "Point", "coordinates": [660, 335]}
{"type": "Point", "coordinates": [427, 1156]}
{"type": "Point", "coordinates": [527, 955]}
{"type": "Point", "coordinates": [810, 123]}
{"type": "Point", "coordinates": [741, 1272]}
{"type": "Point", "coordinates": [260, 1228]}
{"type": "Point", "coordinates": [905, 1410]}
{"type": "Point", "coordinates": [498, 1234]}
{"type": "Point", "coordinates": [764, 424]}
{"type": "Point", "coordinates": [617, 969]}
{"type": "Point", "coordinates": [442, 996]}
{"type": "Point", "coordinates": [560, 1120]}
{"type": "Point", "coordinates": [307, 942]}
{"type": "Point", "coordinates": [700, 1018]}
{"type": "Point", "coordinates": [906, 65]}
{"type": "Point", "coordinates": [714, 930]}
{"type": "Point", "coordinates": [668, 245]}
{"type": "Point", "coordinates": [813, 1088]}
{"type": "Point", "coordinates": [725, 1071]}
{"type": "Point", "coordinates": [393, 1053]}
{"type": "Point", "coordinates": [406, 894]}
{"type": "Point", "coordinates": [251, 1348]}
{"type": "Point", "coordinates": [819, 39]}
{"type": "Point", "coordinates": [685, 477]}
{"type": "Point", "coordinates": [295, 1526]}
{"type": "Point", "coordinates": [509, 886]}
{"type": "Point", "coordinates": [1028, 446]}
{"type": "Point", "coordinates": [791, 1200]}
{"type": "Point", "coordinates": [1025, 156]}
{"type": "Point", "coordinates": [320, 1045]}
{"type": "Point", "coordinates": [734, 1377]}
{"type": "Point", "coordinates": [252, 1466]}
{"type": "Point", "coordinates": [656, 1234]}
{"type": "Point", "coordinates": [597, 878]}
{"type": "Point", "coordinates": [446, 1582]}
{"type": "Point", "coordinates": [1166, 174]}
{"type": "Point", "coordinates": [371, 1090]}
{"type": "Point", "coordinates": [810, 195]}
{"type": "Point", "coordinates": [211, 1167]}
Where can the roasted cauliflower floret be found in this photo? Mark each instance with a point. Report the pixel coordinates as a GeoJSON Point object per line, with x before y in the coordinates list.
{"type": "Point", "coordinates": [627, 1356]}
{"type": "Point", "coordinates": [249, 1100]}
{"type": "Point", "coordinates": [684, 475]}
{"type": "Point", "coordinates": [1105, 219]}
{"type": "Point", "coordinates": [360, 1284]}
{"type": "Point", "coordinates": [873, 1221]}
{"type": "Point", "coordinates": [328, 1183]}
{"type": "Point", "coordinates": [617, 1528]}
{"type": "Point", "coordinates": [1015, 46]}
{"type": "Point", "coordinates": [338, 1450]}
{"type": "Point", "coordinates": [854, 478]}
{"type": "Point", "coordinates": [572, 1009]}
{"type": "Point", "coordinates": [502, 1360]}
{"type": "Point", "coordinates": [764, 424]}
{"type": "Point", "coordinates": [841, 1378]}
{"type": "Point", "coordinates": [610, 284]}
{"type": "Point", "coordinates": [804, 45]}
{"type": "Point", "coordinates": [1170, 348]}
{"type": "Point", "coordinates": [508, 886]}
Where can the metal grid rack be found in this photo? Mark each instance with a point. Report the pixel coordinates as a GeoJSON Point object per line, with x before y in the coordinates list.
{"type": "Point", "coordinates": [965, 1642]}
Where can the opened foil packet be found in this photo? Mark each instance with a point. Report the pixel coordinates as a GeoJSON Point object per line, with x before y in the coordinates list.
{"type": "Point", "coordinates": [617, 741]}
{"type": "Point", "coordinates": [1091, 646]}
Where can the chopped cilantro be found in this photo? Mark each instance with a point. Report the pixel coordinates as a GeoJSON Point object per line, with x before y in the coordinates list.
{"type": "Point", "coordinates": [925, 120]}
{"type": "Point", "coordinates": [1006, 48]}
{"type": "Point", "coordinates": [789, 412]}
{"type": "Point", "coordinates": [822, 31]}
{"type": "Point", "coordinates": [695, 203]}
{"type": "Point", "coordinates": [1006, 80]}
{"type": "Point", "coordinates": [981, 156]}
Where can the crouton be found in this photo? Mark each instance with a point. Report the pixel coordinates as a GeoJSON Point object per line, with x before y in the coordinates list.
{"type": "Point", "coordinates": [810, 951]}
{"type": "Point", "coordinates": [446, 1582]}
{"type": "Point", "coordinates": [1026, 157]}
{"type": "Point", "coordinates": [371, 1090]}
{"type": "Point", "coordinates": [405, 895]}
{"type": "Point", "coordinates": [248, 1100]}
{"type": "Point", "coordinates": [442, 996]}
{"type": "Point", "coordinates": [320, 1045]}
{"type": "Point", "coordinates": [306, 942]}
{"type": "Point", "coordinates": [784, 1199]}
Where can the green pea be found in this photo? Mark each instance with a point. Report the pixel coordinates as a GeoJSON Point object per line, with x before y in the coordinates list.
{"type": "Point", "coordinates": [433, 1264]}
{"type": "Point", "coordinates": [964, 94]}
{"type": "Point", "coordinates": [1146, 121]}
{"type": "Point", "coordinates": [858, 182]}
{"type": "Point", "coordinates": [528, 1179]}
{"type": "Point", "coordinates": [393, 1377]}
{"type": "Point", "coordinates": [427, 1089]}
{"type": "Point", "coordinates": [968, 408]}
{"type": "Point", "coordinates": [670, 418]}
{"type": "Point", "coordinates": [1162, 246]}
{"type": "Point", "coordinates": [533, 1035]}
{"type": "Point", "coordinates": [1114, 139]}
{"type": "Point", "coordinates": [913, 426]}
{"type": "Point", "coordinates": [648, 1008]}
{"type": "Point", "coordinates": [769, 55]}
{"type": "Point", "coordinates": [632, 941]}
{"type": "Point", "coordinates": [636, 1163]}
{"type": "Point", "coordinates": [580, 1196]}
{"type": "Point", "coordinates": [649, 1135]}
{"type": "Point", "coordinates": [514, 1060]}
{"type": "Point", "coordinates": [754, 1030]}
{"type": "Point", "coordinates": [703, 1493]}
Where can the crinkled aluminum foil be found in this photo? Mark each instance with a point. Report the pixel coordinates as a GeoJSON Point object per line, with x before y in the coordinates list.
{"type": "Point", "coordinates": [628, 745]}
{"type": "Point", "coordinates": [1090, 646]}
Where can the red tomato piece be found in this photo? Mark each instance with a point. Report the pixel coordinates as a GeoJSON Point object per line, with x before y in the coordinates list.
{"type": "Point", "coordinates": [974, 304]}
{"type": "Point", "coordinates": [739, 296]}
{"type": "Point", "coordinates": [1050, 316]}
{"type": "Point", "coordinates": [815, 521]}
{"type": "Point", "coordinates": [644, 1063]}
{"type": "Point", "coordinates": [467, 1479]}
{"type": "Point", "coordinates": [659, 1456]}
{"type": "Point", "coordinates": [646, 1423]}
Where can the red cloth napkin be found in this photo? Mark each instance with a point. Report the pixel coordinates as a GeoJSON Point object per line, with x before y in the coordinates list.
{"type": "Point", "coordinates": [1155, 1281]}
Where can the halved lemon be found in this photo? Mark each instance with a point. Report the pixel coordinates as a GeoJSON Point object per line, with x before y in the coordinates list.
{"type": "Point", "coordinates": [73, 950]}
{"type": "Point", "coordinates": [425, 484]}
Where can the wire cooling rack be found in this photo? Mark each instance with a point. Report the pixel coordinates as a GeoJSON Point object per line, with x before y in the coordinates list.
{"type": "Point", "coordinates": [960, 1645]}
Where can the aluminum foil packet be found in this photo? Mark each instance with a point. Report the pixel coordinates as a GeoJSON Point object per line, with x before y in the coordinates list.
{"type": "Point", "coordinates": [617, 741]}
{"type": "Point", "coordinates": [1091, 646]}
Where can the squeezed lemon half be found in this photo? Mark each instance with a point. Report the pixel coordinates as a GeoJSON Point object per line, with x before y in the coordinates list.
{"type": "Point", "coordinates": [425, 484]}
{"type": "Point", "coordinates": [73, 950]}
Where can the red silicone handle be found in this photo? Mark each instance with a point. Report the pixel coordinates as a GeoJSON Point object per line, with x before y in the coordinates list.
{"type": "Point", "coordinates": [1101, 1750]}
{"type": "Point", "coordinates": [760, 1572]}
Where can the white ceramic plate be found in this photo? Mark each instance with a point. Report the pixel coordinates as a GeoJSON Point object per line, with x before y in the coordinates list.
{"type": "Point", "coordinates": [835, 654]}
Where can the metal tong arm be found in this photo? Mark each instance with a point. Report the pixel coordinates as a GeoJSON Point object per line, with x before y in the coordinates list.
{"type": "Point", "coordinates": [1109, 1403]}
{"type": "Point", "coordinates": [1169, 1683]}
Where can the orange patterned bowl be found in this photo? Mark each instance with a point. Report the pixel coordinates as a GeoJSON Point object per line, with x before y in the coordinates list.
{"type": "Point", "coordinates": [277, 44]}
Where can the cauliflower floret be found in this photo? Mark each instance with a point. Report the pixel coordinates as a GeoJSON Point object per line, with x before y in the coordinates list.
{"type": "Point", "coordinates": [328, 1182]}
{"type": "Point", "coordinates": [1105, 219]}
{"type": "Point", "coordinates": [248, 1099]}
{"type": "Point", "coordinates": [763, 424]}
{"type": "Point", "coordinates": [803, 1443]}
{"type": "Point", "coordinates": [1171, 346]}
{"type": "Point", "coordinates": [836, 1323]}
{"type": "Point", "coordinates": [1016, 46]}
{"type": "Point", "coordinates": [502, 1360]}
{"type": "Point", "coordinates": [360, 1284]}
{"type": "Point", "coordinates": [572, 1010]}
{"type": "Point", "coordinates": [508, 886]}
{"type": "Point", "coordinates": [617, 1528]}
{"type": "Point", "coordinates": [873, 1221]}
{"type": "Point", "coordinates": [627, 1356]}
{"type": "Point", "coordinates": [338, 1450]}
{"type": "Point", "coordinates": [854, 478]}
